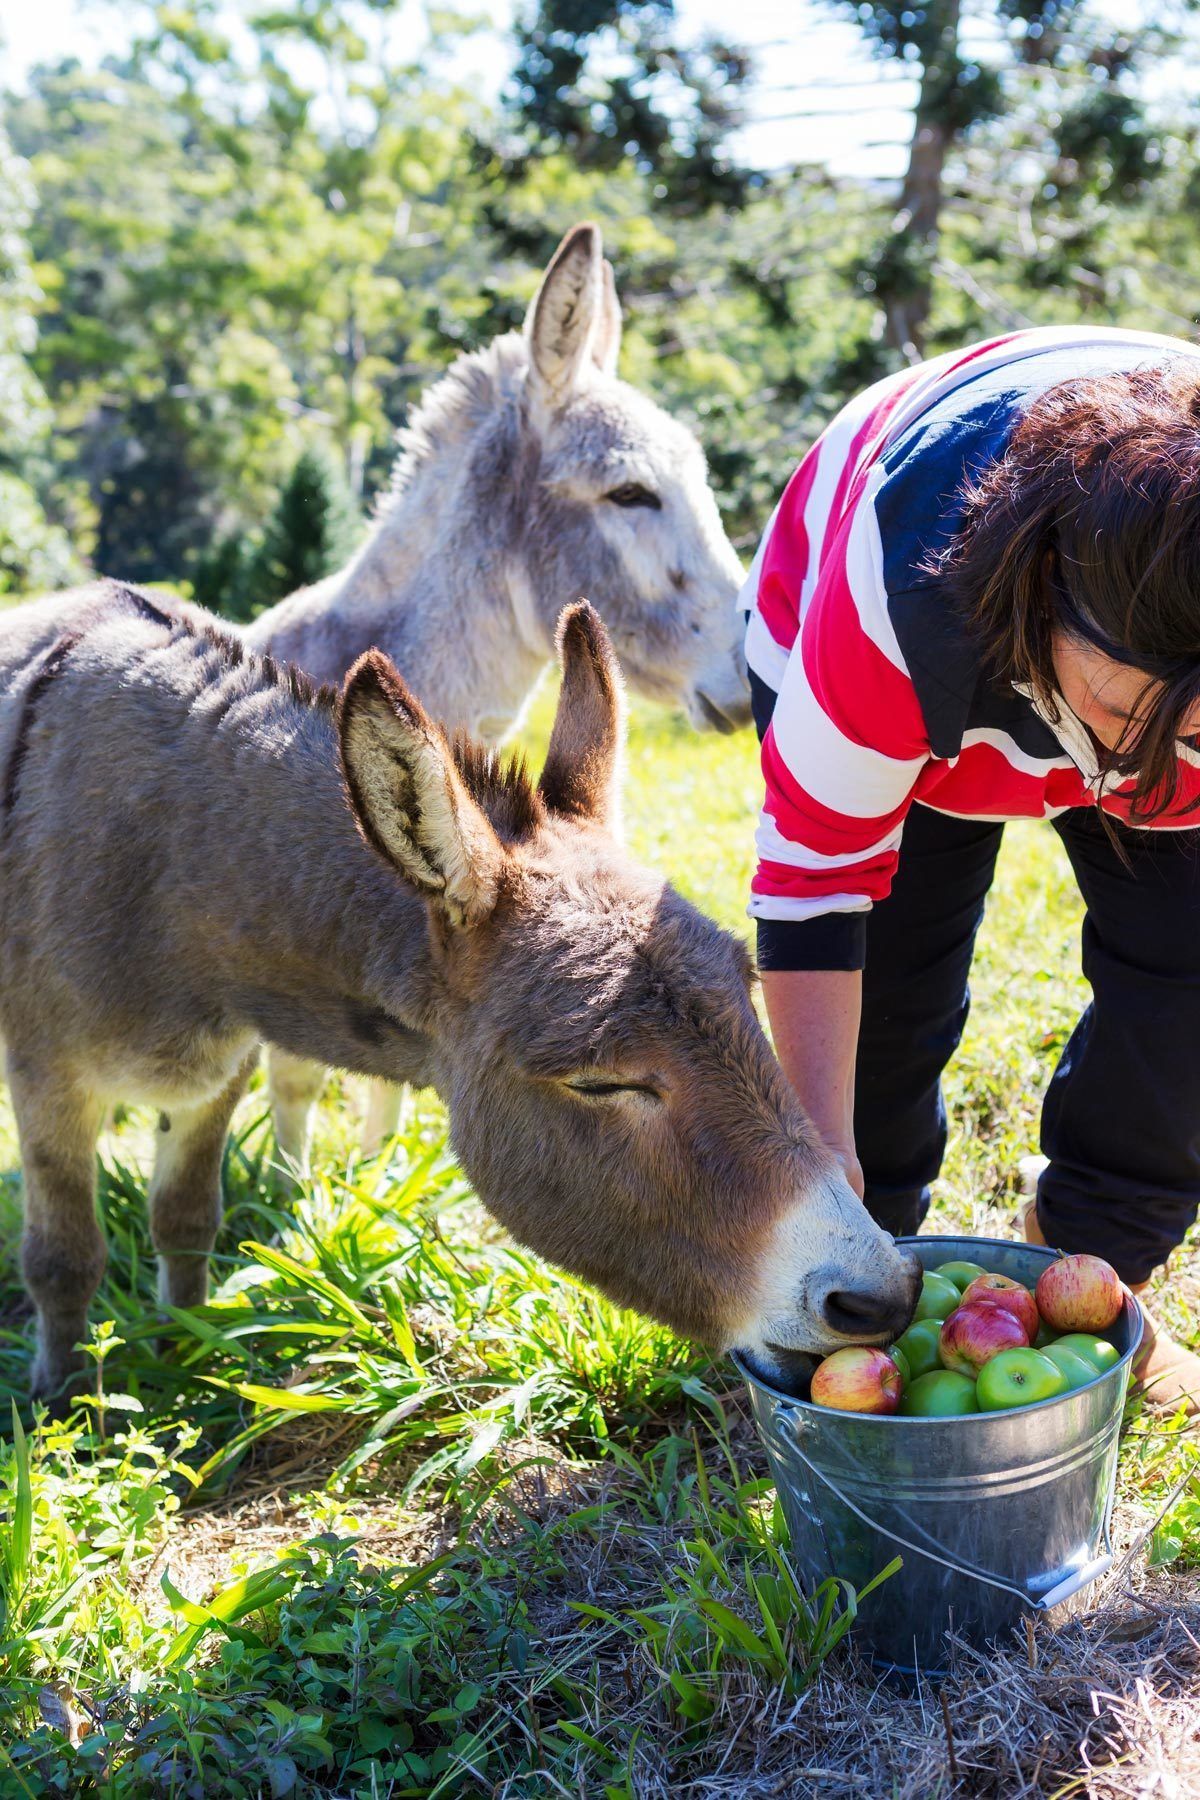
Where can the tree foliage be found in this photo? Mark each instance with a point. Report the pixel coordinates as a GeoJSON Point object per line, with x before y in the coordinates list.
{"type": "Point", "coordinates": [35, 551]}
{"type": "Point", "coordinates": [1061, 81]}
{"type": "Point", "coordinates": [243, 245]}
{"type": "Point", "coordinates": [313, 531]}
{"type": "Point", "coordinates": [611, 80]}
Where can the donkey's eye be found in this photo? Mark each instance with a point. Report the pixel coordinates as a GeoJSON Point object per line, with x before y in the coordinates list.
{"type": "Point", "coordinates": [633, 494]}
{"type": "Point", "coordinates": [594, 1087]}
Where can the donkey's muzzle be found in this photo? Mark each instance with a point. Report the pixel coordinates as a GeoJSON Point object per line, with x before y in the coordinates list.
{"type": "Point", "coordinates": [727, 717]}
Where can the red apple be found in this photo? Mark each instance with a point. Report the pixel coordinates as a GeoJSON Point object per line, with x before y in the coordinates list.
{"type": "Point", "coordinates": [999, 1290]}
{"type": "Point", "coordinates": [857, 1379]}
{"type": "Point", "coordinates": [1080, 1293]}
{"type": "Point", "coordinates": [973, 1334]}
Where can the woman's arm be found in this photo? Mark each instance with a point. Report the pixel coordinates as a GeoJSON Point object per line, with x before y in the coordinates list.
{"type": "Point", "coordinates": [815, 1017]}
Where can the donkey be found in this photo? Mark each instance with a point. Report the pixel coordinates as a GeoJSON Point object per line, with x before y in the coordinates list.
{"type": "Point", "coordinates": [530, 474]}
{"type": "Point", "coordinates": [200, 850]}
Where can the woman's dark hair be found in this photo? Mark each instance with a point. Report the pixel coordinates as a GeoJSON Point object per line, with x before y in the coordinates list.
{"type": "Point", "coordinates": [1089, 525]}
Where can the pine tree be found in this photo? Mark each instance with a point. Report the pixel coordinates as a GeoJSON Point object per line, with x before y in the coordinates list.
{"type": "Point", "coordinates": [314, 529]}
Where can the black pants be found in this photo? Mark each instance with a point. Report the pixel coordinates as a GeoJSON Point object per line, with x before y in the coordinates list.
{"type": "Point", "coordinates": [1121, 1120]}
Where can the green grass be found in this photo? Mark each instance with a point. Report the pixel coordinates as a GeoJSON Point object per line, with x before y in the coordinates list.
{"type": "Point", "coordinates": [401, 1511]}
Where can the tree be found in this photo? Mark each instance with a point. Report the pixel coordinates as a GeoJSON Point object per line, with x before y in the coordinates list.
{"type": "Point", "coordinates": [35, 552]}
{"type": "Point", "coordinates": [609, 80]}
{"type": "Point", "coordinates": [954, 93]}
{"type": "Point", "coordinates": [226, 262]}
{"type": "Point", "coordinates": [1064, 58]}
{"type": "Point", "coordinates": [312, 532]}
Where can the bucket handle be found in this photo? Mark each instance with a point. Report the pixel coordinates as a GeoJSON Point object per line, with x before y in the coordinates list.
{"type": "Point", "coordinates": [1063, 1590]}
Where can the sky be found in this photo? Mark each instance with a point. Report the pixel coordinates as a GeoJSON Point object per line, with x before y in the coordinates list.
{"type": "Point", "coordinates": [806, 60]}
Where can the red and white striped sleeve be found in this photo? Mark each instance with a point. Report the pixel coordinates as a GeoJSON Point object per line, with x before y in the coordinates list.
{"type": "Point", "coordinates": [847, 739]}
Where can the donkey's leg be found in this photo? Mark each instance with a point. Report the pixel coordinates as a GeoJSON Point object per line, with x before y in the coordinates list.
{"type": "Point", "coordinates": [384, 1103]}
{"type": "Point", "coordinates": [185, 1190]}
{"type": "Point", "coordinates": [295, 1086]}
{"type": "Point", "coordinates": [62, 1247]}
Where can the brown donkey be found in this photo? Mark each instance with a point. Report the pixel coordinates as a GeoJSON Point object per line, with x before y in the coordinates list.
{"type": "Point", "coordinates": [199, 850]}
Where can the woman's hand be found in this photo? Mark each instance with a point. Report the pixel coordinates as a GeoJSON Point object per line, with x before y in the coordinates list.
{"type": "Point", "coordinates": [851, 1167]}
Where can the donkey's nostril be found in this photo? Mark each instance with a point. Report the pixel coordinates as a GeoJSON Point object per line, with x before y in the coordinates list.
{"type": "Point", "coordinates": [854, 1313]}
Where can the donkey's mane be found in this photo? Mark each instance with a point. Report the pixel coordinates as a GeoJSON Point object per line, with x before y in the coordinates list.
{"type": "Point", "coordinates": [501, 785]}
{"type": "Point", "coordinates": [456, 405]}
{"type": "Point", "coordinates": [177, 615]}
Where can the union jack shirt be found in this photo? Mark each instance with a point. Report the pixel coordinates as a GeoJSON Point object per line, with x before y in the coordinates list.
{"type": "Point", "coordinates": [873, 687]}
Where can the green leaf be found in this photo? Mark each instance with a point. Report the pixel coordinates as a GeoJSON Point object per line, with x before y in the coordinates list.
{"type": "Point", "coordinates": [249, 1595]}
{"type": "Point", "coordinates": [20, 1527]}
{"type": "Point", "coordinates": [482, 1444]}
{"type": "Point", "coordinates": [581, 1736]}
{"type": "Point", "coordinates": [734, 1628]}
{"type": "Point", "coordinates": [308, 1278]}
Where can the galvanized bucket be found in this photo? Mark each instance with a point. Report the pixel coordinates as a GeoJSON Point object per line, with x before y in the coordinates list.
{"type": "Point", "coordinates": [995, 1515]}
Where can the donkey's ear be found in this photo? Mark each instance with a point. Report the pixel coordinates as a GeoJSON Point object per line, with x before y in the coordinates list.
{"type": "Point", "coordinates": [408, 797]}
{"type": "Point", "coordinates": [582, 772]}
{"type": "Point", "coordinates": [563, 315]}
{"type": "Point", "coordinates": [606, 339]}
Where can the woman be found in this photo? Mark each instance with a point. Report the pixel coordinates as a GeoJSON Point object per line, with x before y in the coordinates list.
{"type": "Point", "coordinates": [979, 600]}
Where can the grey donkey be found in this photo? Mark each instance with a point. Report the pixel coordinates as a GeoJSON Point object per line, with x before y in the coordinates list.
{"type": "Point", "coordinates": [200, 850]}
{"type": "Point", "coordinates": [530, 476]}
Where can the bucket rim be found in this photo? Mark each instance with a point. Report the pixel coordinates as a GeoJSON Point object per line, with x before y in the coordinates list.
{"type": "Point", "coordinates": [754, 1380]}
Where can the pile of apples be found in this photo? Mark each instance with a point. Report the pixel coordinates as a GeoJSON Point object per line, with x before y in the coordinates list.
{"type": "Point", "coordinates": [983, 1343]}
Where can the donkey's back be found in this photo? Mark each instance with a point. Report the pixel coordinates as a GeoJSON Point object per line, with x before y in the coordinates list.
{"type": "Point", "coordinates": [136, 783]}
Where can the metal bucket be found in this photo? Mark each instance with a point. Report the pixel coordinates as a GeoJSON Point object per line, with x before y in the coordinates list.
{"type": "Point", "coordinates": [995, 1515]}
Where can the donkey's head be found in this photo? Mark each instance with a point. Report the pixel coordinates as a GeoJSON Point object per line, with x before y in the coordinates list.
{"type": "Point", "coordinates": [620, 501]}
{"type": "Point", "coordinates": [611, 1092]}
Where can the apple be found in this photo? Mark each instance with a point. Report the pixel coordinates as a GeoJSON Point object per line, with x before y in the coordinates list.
{"type": "Point", "coordinates": [1095, 1350]}
{"type": "Point", "coordinates": [941, 1394]}
{"type": "Point", "coordinates": [857, 1379]}
{"type": "Point", "coordinates": [1018, 1378]}
{"type": "Point", "coordinates": [1078, 1372]}
{"type": "Point", "coordinates": [901, 1361]}
{"type": "Point", "coordinates": [1080, 1293]}
{"type": "Point", "coordinates": [1044, 1336]}
{"type": "Point", "coordinates": [938, 1298]}
{"type": "Point", "coordinates": [962, 1274]}
{"type": "Point", "coordinates": [974, 1334]}
{"type": "Point", "coordinates": [919, 1347]}
{"type": "Point", "coordinates": [999, 1290]}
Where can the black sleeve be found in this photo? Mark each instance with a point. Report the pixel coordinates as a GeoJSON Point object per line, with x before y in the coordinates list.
{"type": "Point", "coordinates": [762, 703]}
{"type": "Point", "coordinates": [836, 940]}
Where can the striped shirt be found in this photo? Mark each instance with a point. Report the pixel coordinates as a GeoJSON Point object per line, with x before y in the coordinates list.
{"type": "Point", "coordinates": [874, 687]}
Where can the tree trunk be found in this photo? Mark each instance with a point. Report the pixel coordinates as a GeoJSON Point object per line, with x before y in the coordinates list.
{"type": "Point", "coordinates": [907, 309]}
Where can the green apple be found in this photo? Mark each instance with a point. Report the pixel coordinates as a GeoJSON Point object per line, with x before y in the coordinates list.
{"type": "Point", "coordinates": [1018, 1378]}
{"type": "Point", "coordinates": [962, 1274]}
{"type": "Point", "coordinates": [1095, 1350]}
{"type": "Point", "coordinates": [939, 1395]}
{"type": "Point", "coordinates": [919, 1347]}
{"type": "Point", "coordinates": [938, 1298]}
{"type": "Point", "coordinates": [1077, 1371]}
{"type": "Point", "coordinates": [901, 1361]}
{"type": "Point", "coordinates": [1045, 1335]}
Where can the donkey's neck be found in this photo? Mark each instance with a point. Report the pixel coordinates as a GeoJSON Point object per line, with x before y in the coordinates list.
{"type": "Point", "coordinates": [439, 583]}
